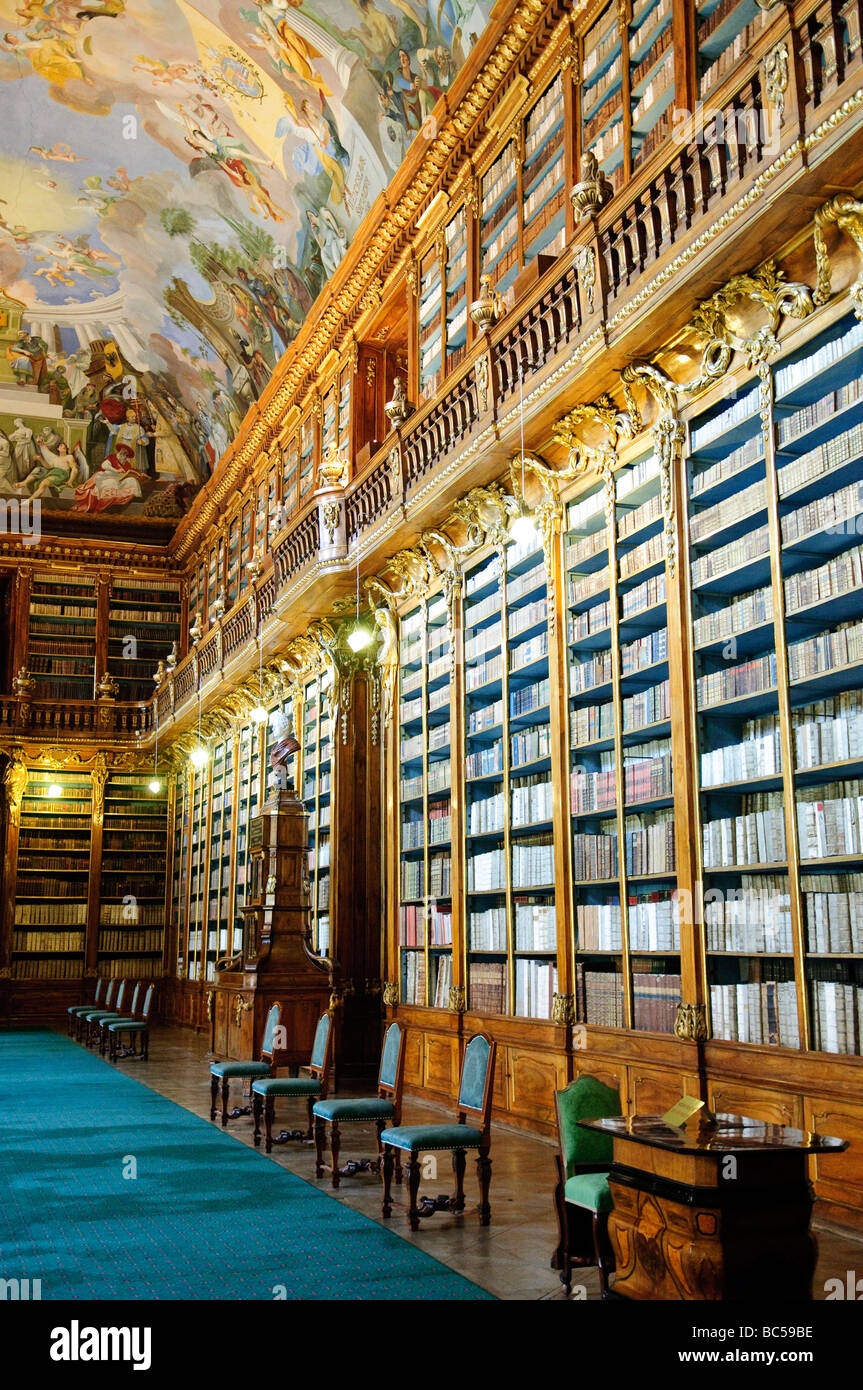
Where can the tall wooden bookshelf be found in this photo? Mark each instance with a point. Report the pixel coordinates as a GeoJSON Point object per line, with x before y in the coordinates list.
{"type": "Point", "coordinates": [703, 669]}
{"type": "Point", "coordinates": [143, 624]}
{"type": "Point", "coordinates": [53, 879]}
{"type": "Point", "coordinates": [132, 895]}
{"type": "Point", "coordinates": [62, 641]}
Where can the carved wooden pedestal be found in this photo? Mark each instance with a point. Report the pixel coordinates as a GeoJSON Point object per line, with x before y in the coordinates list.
{"type": "Point", "coordinates": [716, 1211]}
{"type": "Point", "coordinates": [276, 963]}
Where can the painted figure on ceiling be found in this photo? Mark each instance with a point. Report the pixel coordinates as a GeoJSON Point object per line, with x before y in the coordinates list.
{"type": "Point", "coordinates": [113, 484]}
{"type": "Point", "coordinates": [28, 358]}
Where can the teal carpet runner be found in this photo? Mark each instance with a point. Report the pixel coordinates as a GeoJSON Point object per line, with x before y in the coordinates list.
{"type": "Point", "coordinates": [205, 1218]}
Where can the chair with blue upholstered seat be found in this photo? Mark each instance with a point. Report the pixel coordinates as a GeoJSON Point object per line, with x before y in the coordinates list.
{"type": "Point", "coordinates": [85, 1009]}
{"type": "Point", "coordinates": [474, 1099]}
{"type": "Point", "coordinates": [313, 1087]}
{"type": "Point", "coordinates": [74, 1010]}
{"type": "Point", "coordinates": [138, 1026]}
{"type": "Point", "coordinates": [222, 1073]}
{"type": "Point", "coordinates": [582, 1195]}
{"type": "Point", "coordinates": [89, 1022]}
{"type": "Point", "coordinates": [101, 1024]}
{"type": "Point", "coordinates": [385, 1107]}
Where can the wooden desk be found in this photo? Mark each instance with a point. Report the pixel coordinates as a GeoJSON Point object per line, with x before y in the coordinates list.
{"type": "Point", "coordinates": [715, 1211]}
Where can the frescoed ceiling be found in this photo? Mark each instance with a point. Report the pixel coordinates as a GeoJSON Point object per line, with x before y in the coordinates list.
{"type": "Point", "coordinates": [177, 182]}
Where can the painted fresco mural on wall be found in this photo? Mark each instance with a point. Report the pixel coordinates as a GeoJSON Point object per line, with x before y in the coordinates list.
{"type": "Point", "coordinates": [177, 182]}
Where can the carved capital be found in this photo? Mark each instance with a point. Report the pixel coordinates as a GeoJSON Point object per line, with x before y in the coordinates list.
{"type": "Point", "coordinates": [457, 999]}
{"type": "Point", "coordinates": [691, 1022]}
{"type": "Point", "coordinates": [563, 1010]}
{"type": "Point", "coordinates": [390, 994]}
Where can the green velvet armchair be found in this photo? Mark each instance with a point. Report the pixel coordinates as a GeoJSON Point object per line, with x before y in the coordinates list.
{"type": "Point", "coordinates": [222, 1073]}
{"type": "Point", "coordinates": [313, 1087]}
{"type": "Point", "coordinates": [582, 1197]}
{"type": "Point", "coordinates": [385, 1107]}
{"type": "Point", "coordinates": [474, 1100]}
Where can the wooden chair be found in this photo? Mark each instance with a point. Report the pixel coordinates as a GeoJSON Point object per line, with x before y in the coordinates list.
{"type": "Point", "coordinates": [95, 1017]}
{"type": "Point", "coordinates": [75, 1009]}
{"type": "Point", "coordinates": [474, 1098]}
{"type": "Point", "coordinates": [82, 1033]}
{"type": "Point", "coordinates": [222, 1073]}
{"type": "Point", "coordinates": [582, 1197]}
{"type": "Point", "coordinates": [313, 1087]}
{"type": "Point", "coordinates": [386, 1105]}
{"type": "Point", "coordinates": [101, 1025]}
{"type": "Point", "coordinates": [138, 1026]}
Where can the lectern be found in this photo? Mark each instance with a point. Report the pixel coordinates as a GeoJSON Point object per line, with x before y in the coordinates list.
{"type": "Point", "coordinates": [276, 961]}
{"type": "Point", "coordinates": [716, 1210]}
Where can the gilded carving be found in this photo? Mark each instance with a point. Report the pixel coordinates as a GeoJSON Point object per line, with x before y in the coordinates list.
{"type": "Point", "coordinates": [585, 264]}
{"type": "Point", "coordinates": [776, 78]}
{"type": "Point", "coordinates": [593, 189]}
{"type": "Point", "coordinates": [846, 213]}
{"type": "Point", "coordinates": [457, 1003]}
{"type": "Point", "coordinates": [482, 382]}
{"type": "Point", "coordinates": [563, 1010]}
{"type": "Point", "coordinates": [99, 777]}
{"type": "Point", "coordinates": [14, 783]}
{"type": "Point", "coordinates": [691, 1022]}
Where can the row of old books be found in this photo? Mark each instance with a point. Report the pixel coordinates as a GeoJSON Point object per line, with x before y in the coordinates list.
{"type": "Point", "coordinates": [841, 647]}
{"type": "Point", "coordinates": [533, 861]}
{"type": "Point", "coordinates": [752, 546]}
{"type": "Point", "coordinates": [648, 594]}
{"type": "Point", "coordinates": [806, 417]}
{"type": "Point", "coordinates": [655, 997]}
{"type": "Point", "coordinates": [521, 618]}
{"type": "Point", "coordinates": [530, 745]}
{"type": "Point", "coordinates": [483, 672]}
{"type": "Point", "coordinates": [529, 697]}
{"type": "Point", "coordinates": [532, 801]}
{"type": "Point", "coordinates": [755, 836]}
{"type": "Point", "coordinates": [647, 771]}
{"type": "Point", "coordinates": [830, 819]}
{"type": "Point", "coordinates": [649, 843]}
{"type": "Point", "coordinates": [442, 973]}
{"type": "Point", "coordinates": [737, 507]}
{"type": "Point", "coordinates": [599, 926]}
{"type": "Point", "coordinates": [440, 923]}
{"type": "Point", "coordinates": [487, 987]}
{"type": "Point", "coordinates": [644, 651]}
{"type": "Point", "coordinates": [485, 717]}
{"type": "Point", "coordinates": [594, 670]}
{"type": "Point", "coordinates": [50, 914]}
{"type": "Point", "coordinates": [599, 997]}
{"type": "Point", "coordinates": [820, 460]}
{"type": "Point", "coordinates": [593, 791]}
{"type": "Point", "coordinates": [652, 918]}
{"type": "Point", "coordinates": [440, 821]}
{"type": "Point", "coordinates": [535, 924]}
{"type": "Point", "coordinates": [143, 941]}
{"type": "Point", "coordinates": [486, 814]}
{"type": "Point", "coordinates": [591, 620]}
{"type": "Point", "coordinates": [484, 761]}
{"type": "Point", "coordinates": [836, 510]}
{"type": "Point", "coordinates": [412, 879]}
{"type": "Point", "coordinates": [135, 968]}
{"type": "Point", "coordinates": [440, 876]}
{"type": "Point", "coordinates": [581, 587]}
{"type": "Point", "coordinates": [650, 552]}
{"type": "Point", "coordinates": [413, 834]}
{"type": "Point", "coordinates": [752, 918]}
{"type": "Point", "coordinates": [838, 575]}
{"type": "Point", "coordinates": [411, 925]}
{"type": "Point", "coordinates": [47, 968]}
{"type": "Point", "coordinates": [757, 1011]}
{"type": "Point", "coordinates": [837, 1017]}
{"type": "Point", "coordinates": [746, 611]}
{"type": "Point", "coordinates": [647, 707]}
{"type": "Point", "coordinates": [794, 374]}
{"type": "Point", "coordinates": [594, 856]}
{"type": "Point", "coordinates": [734, 462]}
{"type": "Point", "coordinates": [591, 724]}
{"type": "Point", "coordinates": [833, 905]}
{"type": "Point", "coordinates": [733, 682]}
{"type": "Point", "coordinates": [486, 872]}
{"type": "Point", "coordinates": [487, 929]}
{"type": "Point", "coordinates": [48, 941]}
{"type": "Point", "coordinates": [414, 977]}
{"type": "Point", "coordinates": [759, 754]}
{"type": "Point", "coordinates": [535, 988]}
{"type": "Point", "coordinates": [527, 652]}
{"type": "Point", "coordinates": [131, 911]}
{"type": "Point", "coordinates": [828, 731]}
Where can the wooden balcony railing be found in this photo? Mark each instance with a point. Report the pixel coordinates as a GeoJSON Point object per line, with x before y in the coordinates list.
{"type": "Point", "coordinates": [675, 204]}
{"type": "Point", "coordinates": [24, 717]}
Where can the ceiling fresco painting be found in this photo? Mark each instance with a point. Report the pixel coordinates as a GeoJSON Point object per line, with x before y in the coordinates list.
{"type": "Point", "coordinates": [177, 183]}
